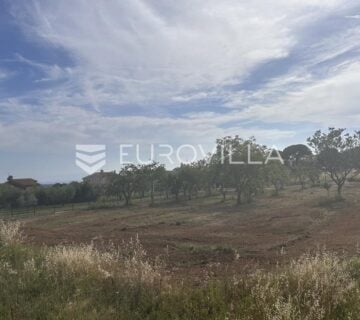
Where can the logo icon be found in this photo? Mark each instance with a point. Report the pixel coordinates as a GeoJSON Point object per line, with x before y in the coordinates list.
{"type": "Point", "coordinates": [90, 157]}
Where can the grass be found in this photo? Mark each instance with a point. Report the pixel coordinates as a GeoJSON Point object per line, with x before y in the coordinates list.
{"type": "Point", "coordinates": [42, 210]}
{"type": "Point", "coordinates": [196, 234]}
{"type": "Point", "coordinates": [121, 282]}
{"type": "Point", "coordinates": [196, 248]}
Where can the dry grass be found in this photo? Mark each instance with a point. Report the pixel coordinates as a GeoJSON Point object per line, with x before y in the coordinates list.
{"type": "Point", "coordinates": [193, 231]}
{"type": "Point", "coordinates": [83, 282]}
{"type": "Point", "coordinates": [310, 288]}
{"type": "Point", "coordinates": [10, 233]}
{"type": "Point", "coordinates": [128, 261]}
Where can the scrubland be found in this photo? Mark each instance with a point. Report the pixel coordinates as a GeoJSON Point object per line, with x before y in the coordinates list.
{"type": "Point", "coordinates": [122, 282]}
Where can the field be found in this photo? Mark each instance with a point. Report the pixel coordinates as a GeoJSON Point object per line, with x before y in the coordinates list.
{"type": "Point", "coordinates": [205, 234]}
{"type": "Point", "coordinates": [293, 256]}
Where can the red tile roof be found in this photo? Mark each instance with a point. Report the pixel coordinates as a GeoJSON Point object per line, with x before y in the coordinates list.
{"type": "Point", "coordinates": [23, 183]}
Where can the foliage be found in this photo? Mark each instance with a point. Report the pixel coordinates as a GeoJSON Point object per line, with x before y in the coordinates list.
{"type": "Point", "coordinates": [128, 181]}
{"type": "Point", "coordinates": [234, 169]}
{"type": "Point", "coordinates": [240, 165]}
{"type": "Point", "coordinates": [152, 174]}
{"type": "Point", "coordinates": [12, 197]}
{"type": "Point", "coordinates": [295, 153]}
{"type": "Point", "coordinates": [83, 282]}
{"type": "Point", "coordinates": [337, 153]}
{"type": "Point", "coordinates": [276, 175]}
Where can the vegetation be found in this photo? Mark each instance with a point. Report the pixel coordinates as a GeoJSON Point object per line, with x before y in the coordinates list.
{"type": "Point", "coordinates": [337, 153]}
{"type": "Point", "coordinates": [58, 194]}
{"type": "Point", "coordinates": [239, 165]}
{"type": "Point", "coordinates": [246, 167]}
{"type": "Point", "coordinates": [83, 282]}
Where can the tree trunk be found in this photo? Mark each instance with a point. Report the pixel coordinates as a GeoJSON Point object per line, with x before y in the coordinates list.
{"type": "Point", "coordinates": [209, 191]}
{"type": "Point", "coordinates": [339, 190]}
{"type": "Point", "coordinates": [238, 198]}
{"type": "Point", "coordinates": [152, 193]}
{"type": "Point", "coordinates": [127, 197]}
{"type": "Point", "coordinates": [223, 193]}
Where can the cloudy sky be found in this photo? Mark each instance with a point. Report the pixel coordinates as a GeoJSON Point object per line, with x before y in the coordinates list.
{"type": "Point", "coordinates": [169, 71]}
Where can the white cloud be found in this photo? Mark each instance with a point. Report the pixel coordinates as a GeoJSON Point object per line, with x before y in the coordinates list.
{"type": "Point", "coordinates": [5, 74]}
{"type": "Point", "coordinates": [143, 52]}
{"type": "Point", "coordinates": [56, 129]}
{"type": "Point", "coordinates": [356, 16]}
{"type": "Point", "coordinates": [154, 53]}
{"type": "Point", "coordinates": [332, 101]}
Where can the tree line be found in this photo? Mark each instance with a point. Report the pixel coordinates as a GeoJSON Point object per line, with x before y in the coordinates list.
{"type": "Point", "coordinates": [330, 159]}
{"type": "Point", "coordinates": [240, 166]}
{"type": "Point", "coordinates": [57, 194]}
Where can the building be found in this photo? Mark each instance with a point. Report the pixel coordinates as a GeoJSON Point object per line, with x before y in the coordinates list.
{"type": "Point", "coordinates": [100, 180]}
{"type": "Point", "coordinates": [24, 183]}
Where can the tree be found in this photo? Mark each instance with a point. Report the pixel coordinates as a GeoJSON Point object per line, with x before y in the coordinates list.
{"type": "Point", "coordinates": [313, 172]}
{"type": "Point", "coordinates": [232, 163]}
{"type": "Point", "coordinates": [30, 199]}
{"type": "Point", "coordinates": [298, 158]}
{"type": "Point", "coordinates": [151, 174]}
{"type": "Point", "coordinates": [206, 175]}
{"type": "Point", "coordinates": [295, 153]}
{"type": "Point", "coordinates": [337, 152]}
{"type": "Point", "coordinates": [166, 182]}
{"type": "Point", "coordinates": [112, 189]}
{"type": "Point", "coordinates": [326, 185]}
{"type": "Point", "coordinates": [9, 196]}
{"type": "Point", "coordinates": [127, 181]}
{"type": "Point", "coordinates": [175, 183]}
{"type": "Point", "coordinates": [84, 192]}
{"type": "Point", "coordinates": [219, 168]}
{"type": "Point", "coordinates": [276, 174]}
{"type": "Point", "coordinates": [189, 176]}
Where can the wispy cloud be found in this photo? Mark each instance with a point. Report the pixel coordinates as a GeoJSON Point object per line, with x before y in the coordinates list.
{"type": "Point", "coordinates": [355, 16]}
{"type": "Point", "coordinates": [149, 51]}
{"type": "Point", "coordinates": [332, 101]}
{"type": "Point", "coordinates": [5, 74]}
{"type": "Point", "coordinates": [154, 70]}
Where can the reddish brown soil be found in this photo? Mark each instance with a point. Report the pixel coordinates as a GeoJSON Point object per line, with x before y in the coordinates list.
{"type": "Point", "coordinates": [205, 234]}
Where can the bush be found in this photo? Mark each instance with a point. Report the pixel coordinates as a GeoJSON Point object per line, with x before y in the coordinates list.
{"type": "Point", "coordinates": [83, 282]}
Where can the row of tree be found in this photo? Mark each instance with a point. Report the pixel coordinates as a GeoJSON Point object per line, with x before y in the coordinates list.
{"type": "Point", "coordinates": [241, 166]}
{"type": "Point", "coordinates": [246, 167]}
{"type": "Point", "coordinates": [58, 194]}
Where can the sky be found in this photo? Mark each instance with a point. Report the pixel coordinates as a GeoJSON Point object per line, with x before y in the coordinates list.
{"type": "Point", "coordinates": [169, 72]}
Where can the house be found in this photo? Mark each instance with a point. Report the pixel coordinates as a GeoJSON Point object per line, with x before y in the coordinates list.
{"type": "Point", "coordinates": [100, 180]}
{"type": "Point", "coordinates": [24, 183]}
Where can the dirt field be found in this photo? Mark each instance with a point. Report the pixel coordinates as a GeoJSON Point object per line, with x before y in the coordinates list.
{"type": "Point", "coordinates": [205, 234]}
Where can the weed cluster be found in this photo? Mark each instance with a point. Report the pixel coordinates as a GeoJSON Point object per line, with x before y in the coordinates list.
{"type": "Point", "coordinates": [83, 282]}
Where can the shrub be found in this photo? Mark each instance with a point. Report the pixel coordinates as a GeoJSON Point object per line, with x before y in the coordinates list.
{"type": "Point", "coordinates": [10, 233]}
{"type": "Point", "coordinates": [83, 282]}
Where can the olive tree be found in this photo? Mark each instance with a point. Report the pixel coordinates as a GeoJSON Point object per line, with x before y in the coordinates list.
{"type": "Point", "coordinates": [127, 181]}
{"type": "Point", "coordinates": [150, 174]}
{"type": "Point", "coordinates": [276, 175]}
{"type": "Point", "coordinates": [336, 152]}
{"type": "Point", "coordinates": [235, 161]}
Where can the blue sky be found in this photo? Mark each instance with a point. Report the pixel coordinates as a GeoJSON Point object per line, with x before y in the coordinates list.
{"type": "Point", "coordinates": [169, 71]}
